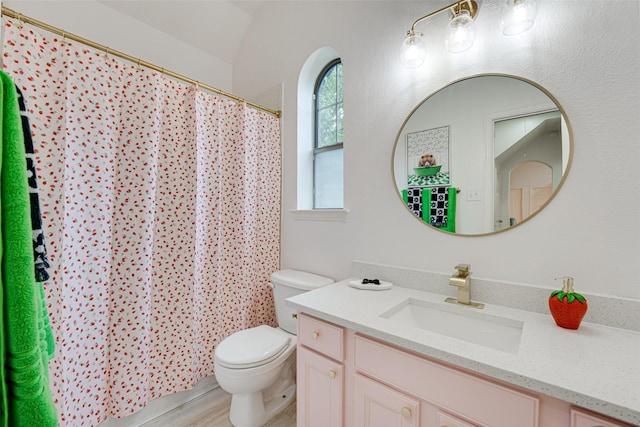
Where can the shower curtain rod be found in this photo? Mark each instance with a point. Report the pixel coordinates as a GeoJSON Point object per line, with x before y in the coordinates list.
{"type": "Point", "coordinates": [28, 20]}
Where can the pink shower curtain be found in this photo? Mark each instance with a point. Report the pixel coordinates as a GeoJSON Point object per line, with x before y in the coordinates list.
{"type": "Point", "coordinates": [161, 207]}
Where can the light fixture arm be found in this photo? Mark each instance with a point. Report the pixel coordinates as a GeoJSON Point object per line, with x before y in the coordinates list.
{"type": "Point", "coordinates": [456, 7]}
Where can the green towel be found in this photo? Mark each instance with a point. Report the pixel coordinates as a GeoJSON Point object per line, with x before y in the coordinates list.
{"type": "Point", "coordinates": [451, 209]}
{"type": "Point", "coordinates": [26, 399]}
{"type": "Point", "coordinates": [451, 213]}
{"type": "Point", "coordinates": [45, 326]}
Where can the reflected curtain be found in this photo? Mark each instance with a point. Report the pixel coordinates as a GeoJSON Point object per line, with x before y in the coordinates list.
{"type": "Point", "coordinates": [161, 207]}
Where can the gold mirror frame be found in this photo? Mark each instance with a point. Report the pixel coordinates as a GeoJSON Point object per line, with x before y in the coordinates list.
{"type": "Point", "coordinates": [567, 169]}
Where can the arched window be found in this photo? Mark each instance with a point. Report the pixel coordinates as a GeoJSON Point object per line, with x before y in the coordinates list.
{"type": "Point", "coordinates": [328, 170]}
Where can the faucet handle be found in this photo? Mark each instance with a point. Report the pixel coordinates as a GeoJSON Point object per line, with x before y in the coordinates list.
{"type": "Point", "coordinates": [463, 269]}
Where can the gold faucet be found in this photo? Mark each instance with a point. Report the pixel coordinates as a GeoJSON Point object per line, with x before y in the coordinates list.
{"type": "Point", "coordinates": [462, 279]}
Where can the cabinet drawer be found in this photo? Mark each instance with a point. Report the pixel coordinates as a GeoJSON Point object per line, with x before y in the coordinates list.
{"type": "Point", "coordinates": [446, 420]}
{"type": "Point", "coordinates": [580, 418]}
{"type": "Point", "coordinates": [476, 399]}
{"type": "Point", "coordinates": [321, 336]}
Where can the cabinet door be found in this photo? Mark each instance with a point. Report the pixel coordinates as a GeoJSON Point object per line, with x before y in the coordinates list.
{"type": "Point", "coordinates": [320, 390]}
{"type": "Point", "coordinates": [447, 420]}
{"type": "Point", "coordinates": [377, 405]}
{"type": "Point", "coordinates": [584, 419]}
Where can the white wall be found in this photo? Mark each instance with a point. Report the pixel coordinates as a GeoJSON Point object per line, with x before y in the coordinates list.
{"type": "Point", "coordinates": [101, 24]}
{"type": "Point", "coordinates": [584, 52]}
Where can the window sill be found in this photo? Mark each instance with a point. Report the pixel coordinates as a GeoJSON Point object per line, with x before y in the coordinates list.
{"type": "Point", "coordinates": [337, 215]}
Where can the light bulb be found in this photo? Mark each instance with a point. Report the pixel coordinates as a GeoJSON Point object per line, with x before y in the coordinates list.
{"type": "Point", "coordinates": [413, 50]}
{"type": "Point", "coordinates": [518, 16]}
{"type": "Point", "coordinates": [461, 32]}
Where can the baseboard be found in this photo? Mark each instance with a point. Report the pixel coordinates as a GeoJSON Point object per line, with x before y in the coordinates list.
{"type": "Point", "coordinates": [162, 405]}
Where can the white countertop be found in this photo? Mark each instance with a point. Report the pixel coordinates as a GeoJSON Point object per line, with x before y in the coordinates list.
{"type": "Point", "coordinates": [595, 367]}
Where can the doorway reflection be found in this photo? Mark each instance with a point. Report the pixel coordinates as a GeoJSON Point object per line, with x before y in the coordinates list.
{"type": "Point", "coordinates": [528, 164]}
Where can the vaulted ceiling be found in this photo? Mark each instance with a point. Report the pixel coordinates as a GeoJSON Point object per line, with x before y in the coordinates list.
{"type": "Point", "coordinates": [213, 26]}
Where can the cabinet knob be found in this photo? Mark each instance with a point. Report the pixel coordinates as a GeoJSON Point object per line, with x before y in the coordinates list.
{"type": "Point", "coordinates": [294, 315]}
{"type": "Point", "coordinates": [332, 374]}
{"type": "Point", "coordinates": [406, 412]}
{"type": "Point", "coordinates": [315, 335]}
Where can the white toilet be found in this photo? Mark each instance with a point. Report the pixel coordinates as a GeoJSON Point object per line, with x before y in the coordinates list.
{"type": "Point", "coordinates": [257, 365]}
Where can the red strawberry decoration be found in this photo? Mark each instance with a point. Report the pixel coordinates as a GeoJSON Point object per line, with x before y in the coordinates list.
{"type": "Point", "coordinates": [567, 307]}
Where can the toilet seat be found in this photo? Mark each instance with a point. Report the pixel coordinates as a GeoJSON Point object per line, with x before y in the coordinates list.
{"type": "Point", "coordinates": [251, 347]}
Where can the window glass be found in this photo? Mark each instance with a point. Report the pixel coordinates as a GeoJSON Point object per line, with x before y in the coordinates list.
{"type": "Point", "coordinates": [328, 178]}
{"type": "Point", "coordinates": [328, 142]}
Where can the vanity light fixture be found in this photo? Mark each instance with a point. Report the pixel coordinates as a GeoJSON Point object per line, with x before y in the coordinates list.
{"type": "Point", "coordinates": [413, 50]}
{"type": "Point", "coordinates": [517, 16]}
{"type": "Point", "coordinates": [460, 33]}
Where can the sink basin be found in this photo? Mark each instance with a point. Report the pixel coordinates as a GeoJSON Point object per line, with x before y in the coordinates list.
{"type": "Point", "coordinates": [463, 323]}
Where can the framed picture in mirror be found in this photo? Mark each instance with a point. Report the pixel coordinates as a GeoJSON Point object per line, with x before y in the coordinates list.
{"type": "Point", "coordinates": [428, 157]}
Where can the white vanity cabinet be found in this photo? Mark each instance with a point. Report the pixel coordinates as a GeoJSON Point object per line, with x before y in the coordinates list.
{"type": "Point", "coordinates": [320, 373]}
{"type": "Point", "coordinates": [581, 418]}
{"type": "Point", "coordinates": [346, 378]}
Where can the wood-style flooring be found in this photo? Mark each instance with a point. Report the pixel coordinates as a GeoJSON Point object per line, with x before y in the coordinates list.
{"type": "Point", "coordinates": [212, 410]}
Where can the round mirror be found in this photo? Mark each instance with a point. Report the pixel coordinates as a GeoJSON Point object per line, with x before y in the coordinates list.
{"type": "Point", "coordinates": [482, 155]}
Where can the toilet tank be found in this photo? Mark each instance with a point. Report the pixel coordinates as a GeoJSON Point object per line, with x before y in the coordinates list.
{"type": "Point", "coordinates": [287, 283]}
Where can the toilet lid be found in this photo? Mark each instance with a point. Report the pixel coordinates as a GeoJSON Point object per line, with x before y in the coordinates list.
{"type": "Point", "coordinates": [251, 347]}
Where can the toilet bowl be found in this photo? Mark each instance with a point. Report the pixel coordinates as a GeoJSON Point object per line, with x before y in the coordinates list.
{"type": "Point", "coordinates": [257, 365]}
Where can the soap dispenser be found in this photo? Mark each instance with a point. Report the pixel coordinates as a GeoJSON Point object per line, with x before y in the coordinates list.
{"type": "Point", "coordinates": [567, 307]}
